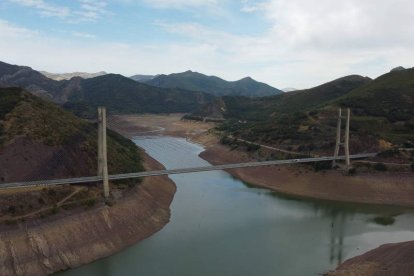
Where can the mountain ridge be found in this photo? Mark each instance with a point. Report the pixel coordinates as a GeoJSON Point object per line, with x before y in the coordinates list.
{"type": "Point", "coordinates": [74, 93]}
{"type": "Point", "coordinates": [214, 85]}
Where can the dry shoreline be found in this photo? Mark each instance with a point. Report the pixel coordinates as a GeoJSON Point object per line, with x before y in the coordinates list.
{"type": "Point", "coordinates": [372, 188]}
{"type": "Point", "coordinates": [45, 247]}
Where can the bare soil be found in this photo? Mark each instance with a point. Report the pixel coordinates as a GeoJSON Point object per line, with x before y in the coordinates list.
{"type": "Point", "coordinates": [300, 180]}
{"type": "Point", "coordinates": [395, 259]}
{"type": "Point", "coordinates": [150, 124]}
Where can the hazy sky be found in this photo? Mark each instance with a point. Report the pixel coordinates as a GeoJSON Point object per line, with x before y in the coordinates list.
{"type": "Point", "coordinates": [286, 43]}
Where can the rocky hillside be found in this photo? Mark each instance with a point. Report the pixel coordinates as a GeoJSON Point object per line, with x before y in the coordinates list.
{"type": "Point", "coordinates": [213, 85]}
{"type": "Point", "coordinates": [39, 140]}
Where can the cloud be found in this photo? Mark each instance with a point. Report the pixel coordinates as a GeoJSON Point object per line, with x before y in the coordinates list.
{"type": "Point", "coordinates": [309, 42]}
{"type": "Point", "coordinates": [83, 35]}
{"type": "Point", "coordinates": [340, 25]}
{"type": "Point", "coordinates": [249, 6]}
{"type": "Point", "coordinates": [86, 10]}
{"type": "Point", "coordinates": [180, 4]}
{"type": "Point", "coordinates": [45, 8]}
{"type": "Point", "coordinates": [91, 9]}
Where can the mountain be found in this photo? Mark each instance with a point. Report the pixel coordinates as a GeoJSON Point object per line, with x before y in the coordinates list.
{"type": "Point", "coordinates": [213, 85]}
{"type": "Point", "coordinates": [31, 80]}
{"type": "Point", "coordinates": [39, 140]}
{"type": "Point", "coordinates": [123, 95]}
{"type": "Point", "coordinates": [382, 114]}
{"type": "Point", "coordinates": [399, 68]}
{"type": "Point", "coordinates": [118, 93]}
{"type": "Point", "coordinates": [292, 102]}
{"type": "Point", "coordinates": [142, 78]}
{"type": "Point", "coordinates": [68, 76]}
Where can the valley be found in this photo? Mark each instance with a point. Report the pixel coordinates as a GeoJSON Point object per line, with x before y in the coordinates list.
{"type": "Point", "coordinates": [50, 131]}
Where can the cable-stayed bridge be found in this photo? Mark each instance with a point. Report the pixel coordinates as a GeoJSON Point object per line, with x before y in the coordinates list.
{"type": "Point", "coordinates": [92, 179]}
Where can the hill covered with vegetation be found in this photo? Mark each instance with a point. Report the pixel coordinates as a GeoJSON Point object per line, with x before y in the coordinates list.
{"type": "Point", "coordinates": [39, 140]}
{"type": "Point", "coordinates": [382, 114]}
{"type": "Point", "coordinates": [122, 96]}
{"type": "Point", "coordinates": [214, 85]}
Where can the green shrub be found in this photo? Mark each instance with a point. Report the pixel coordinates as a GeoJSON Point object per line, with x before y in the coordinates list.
{"type": "Point", "coordinates": [90, 202]}
{"type": "Point", "coordinates": [320, 166]}
{"type": "Point", "coordinates": [380, 167]}
{"type": "Point", "coordinates": [352, 171]}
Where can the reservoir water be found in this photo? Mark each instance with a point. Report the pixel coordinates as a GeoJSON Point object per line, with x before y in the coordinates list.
{"type": "Point", "coordinates": [221, 226]}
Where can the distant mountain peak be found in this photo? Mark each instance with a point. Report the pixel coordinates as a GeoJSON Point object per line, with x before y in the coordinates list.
{"type": "Point", "coordinates": [399, 68]}
{"type": "Point", "coordinates": [68, 76]}
{"type": "Point", "coordinates": [247, 79]}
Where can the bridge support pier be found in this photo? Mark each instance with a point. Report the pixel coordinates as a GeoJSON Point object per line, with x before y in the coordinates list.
{"type": "Point", "coordinates": [338, 139]}
{"type": "Point", "coordinates": [347, 160]}
{"type": "Point", "coordinates": [102, 151]}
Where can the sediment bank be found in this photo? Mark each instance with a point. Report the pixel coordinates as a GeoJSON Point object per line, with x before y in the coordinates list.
{"type": "Point", "coordinates": [374, 188]}
{"type": "Point", "coordinates": [394, 259]}
{"type": "Point", "coordinates": [43, 247]}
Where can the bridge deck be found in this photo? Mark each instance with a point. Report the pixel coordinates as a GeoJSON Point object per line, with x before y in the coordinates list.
{"type": "Point", "coordinates": [177, 171]}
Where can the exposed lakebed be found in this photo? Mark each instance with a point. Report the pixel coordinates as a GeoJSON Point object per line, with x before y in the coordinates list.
{"type": "Point", "coordinates": [221, 226]}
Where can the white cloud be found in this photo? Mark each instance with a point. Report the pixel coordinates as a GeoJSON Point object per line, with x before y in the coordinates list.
{"type": "Point", "coordinates": [249, 6]}
{"type": "Point", "coordinates": [45, 8]}
{"type": "Point", "coordinates": [181, 3]}
{"type": "Point", "coordinates": [87, 10]}
{"type": "Point", "coordinates": [91, 9]}
{"type": "Point", "coordinates": [83, 35]}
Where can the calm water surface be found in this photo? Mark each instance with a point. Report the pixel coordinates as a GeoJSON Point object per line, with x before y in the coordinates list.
{"type": "Point", "coordinates": [220, 226]}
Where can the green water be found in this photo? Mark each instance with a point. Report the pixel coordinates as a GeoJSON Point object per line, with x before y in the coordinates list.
{"type": "Point", "coordinates": [220, 226]}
